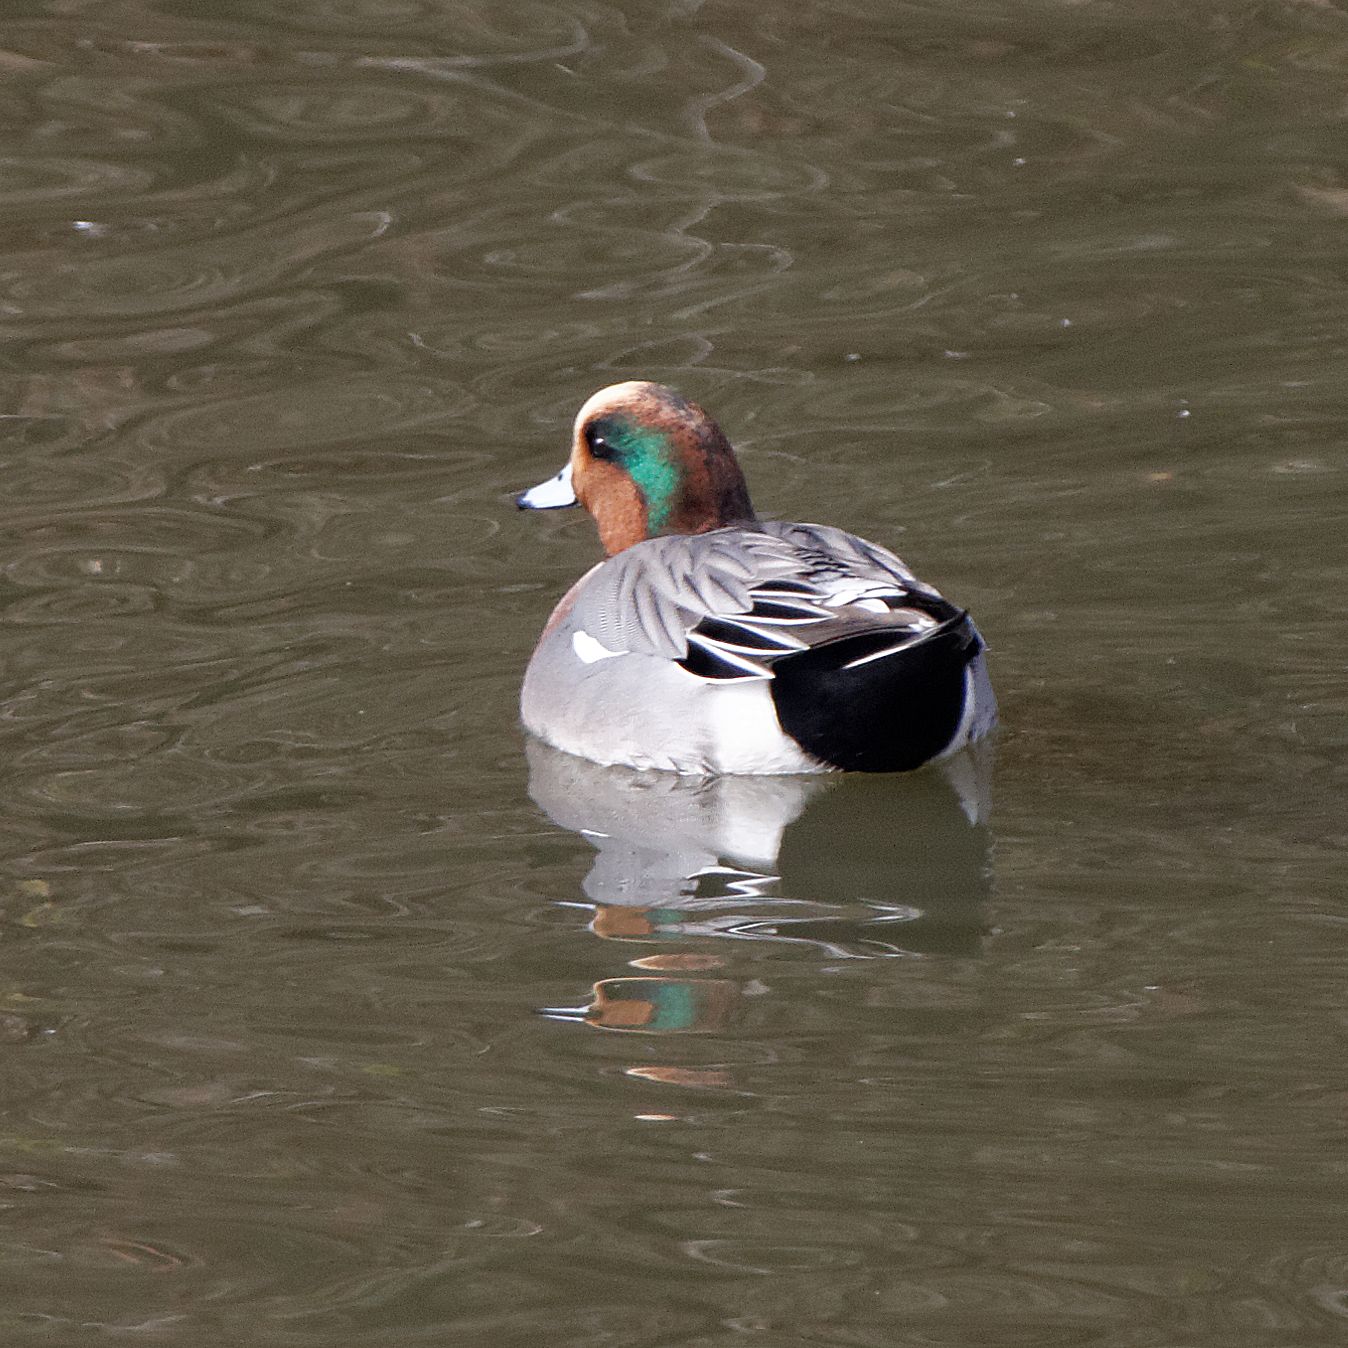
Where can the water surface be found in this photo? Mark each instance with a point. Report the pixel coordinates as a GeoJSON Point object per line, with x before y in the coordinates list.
{"type": "Point", "coordinates": [329, 1014]}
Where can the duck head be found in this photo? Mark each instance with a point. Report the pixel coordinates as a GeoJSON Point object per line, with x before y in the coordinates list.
{"type": "Point", "coordinates": [645, 461]}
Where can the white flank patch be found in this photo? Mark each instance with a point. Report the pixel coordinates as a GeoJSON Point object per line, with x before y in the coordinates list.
{"type": "Point", "coordinates": [588, 650]}
{"type": "Point", "coordinates": [745, 735]}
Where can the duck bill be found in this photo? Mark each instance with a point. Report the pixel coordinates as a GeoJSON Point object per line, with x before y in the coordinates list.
{"type": "Point", "coordinates": [553, 494]}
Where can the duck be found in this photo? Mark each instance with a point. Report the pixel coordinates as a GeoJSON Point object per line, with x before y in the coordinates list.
{"type": "Point", "coordinates": [710, 641]}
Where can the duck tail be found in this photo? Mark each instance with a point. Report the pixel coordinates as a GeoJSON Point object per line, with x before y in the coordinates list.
{"type": "Point", "coordinates": [871, 703]}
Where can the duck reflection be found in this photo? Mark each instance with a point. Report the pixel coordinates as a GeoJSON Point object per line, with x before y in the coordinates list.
{"type": "Point", "coordinates": [854, 867]}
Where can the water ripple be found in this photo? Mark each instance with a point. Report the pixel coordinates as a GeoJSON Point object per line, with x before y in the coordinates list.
{"type": "Point", "coordinates": [296, 293]}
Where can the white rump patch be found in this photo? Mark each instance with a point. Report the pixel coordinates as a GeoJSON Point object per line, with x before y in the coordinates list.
{"type": "Point", "coordinates": [588, 650]}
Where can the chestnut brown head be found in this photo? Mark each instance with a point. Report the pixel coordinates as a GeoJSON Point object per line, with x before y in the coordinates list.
{"type": "Point", "coordinates": [646, 461]}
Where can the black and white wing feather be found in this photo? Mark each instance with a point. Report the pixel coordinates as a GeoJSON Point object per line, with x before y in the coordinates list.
{"type": "Point", "coordinates": [728, 605]}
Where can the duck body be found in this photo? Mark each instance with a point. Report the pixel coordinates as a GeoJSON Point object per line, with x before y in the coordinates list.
{"type": "Point", "coordinates": [729, 644]}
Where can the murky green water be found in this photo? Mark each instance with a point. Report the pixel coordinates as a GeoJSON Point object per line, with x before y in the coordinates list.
{"type": "Point", "coordinates": [328, 1016]}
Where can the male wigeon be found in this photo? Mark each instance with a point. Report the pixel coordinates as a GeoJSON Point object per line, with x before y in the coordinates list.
{"type": "Point", "coordinates": [711, 641]}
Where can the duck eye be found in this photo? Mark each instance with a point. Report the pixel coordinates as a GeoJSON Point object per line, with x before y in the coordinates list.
{"type": "Point", "coordinates": [598, 443]}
